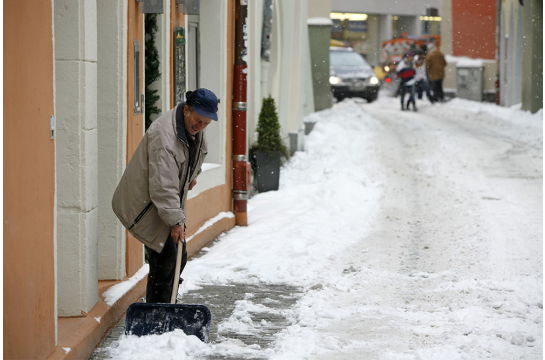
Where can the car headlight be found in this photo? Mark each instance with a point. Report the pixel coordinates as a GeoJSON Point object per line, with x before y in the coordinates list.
{"type": "Point", "coordinates": [373, 80]}
{"type": "Point", "coordinates": [386, 68]}
{"type": "Point", "coordinates": [334, 80]}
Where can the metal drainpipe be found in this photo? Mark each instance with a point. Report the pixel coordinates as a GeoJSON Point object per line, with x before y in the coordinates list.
{"type": "Point", "coordinates": [498, 44]}
{"type": "Point", "coordinates": [241, 168]}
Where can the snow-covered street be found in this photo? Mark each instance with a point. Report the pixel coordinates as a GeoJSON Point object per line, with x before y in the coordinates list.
{"type": "Point", "coordinates": [410, 235]}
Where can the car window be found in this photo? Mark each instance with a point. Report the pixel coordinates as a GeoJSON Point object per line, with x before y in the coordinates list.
{"type": "Point", "coordinates": [347, 58]}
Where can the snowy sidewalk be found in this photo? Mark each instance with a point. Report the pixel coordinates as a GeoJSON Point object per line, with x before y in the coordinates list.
{"type": "Point", "coordinates": [233, 300]}
{"type": "Point", "coordinates": [394, 235]}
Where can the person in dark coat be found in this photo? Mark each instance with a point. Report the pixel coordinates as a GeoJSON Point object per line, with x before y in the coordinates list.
{"type": "Point", "coordinates": [435, 67]}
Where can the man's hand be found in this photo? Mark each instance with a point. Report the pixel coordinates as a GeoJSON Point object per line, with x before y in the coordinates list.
{"type": "Point", "coordinates": [192, 183]}
{"type": "Point", "coordinates": [177, 233]}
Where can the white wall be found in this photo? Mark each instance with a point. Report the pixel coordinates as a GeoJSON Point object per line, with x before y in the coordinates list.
{"type": "Point", "coordinates": [287, 76]}
{"type": "Point", "coordinates": [386, 31]}
{"type": "Point", "coordinates": [75, 35]}
{"type": "Point", "coordinates": [511, 54]}
{"type": "Point", "coordinates": [319, 8]}
{"type": "Point", "coordinates": [256, 69]}
{"type": "Point", "coordinates": [384, 7]}
{"type": "Point", "coordinates": [213, 76]}
{"type": "Point", "coordinates": [290, 78]}
{"type": "Point", "coordinates": [112, 133]}
{"type": "Point", "coordinates": [295, 68]}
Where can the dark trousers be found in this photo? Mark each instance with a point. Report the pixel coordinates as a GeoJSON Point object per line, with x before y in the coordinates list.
{"type": "Point", "coordinates": [421, 86]}
{"type": "Point", "coordinates": [161, 271]}
{"type": "Point", "coordinates": [437, 88]}
{"type": "Point", "coordinates": [407, 89]}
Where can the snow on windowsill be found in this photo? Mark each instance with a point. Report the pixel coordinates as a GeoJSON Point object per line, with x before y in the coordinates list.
{"type": "Point", "coordinates": [209, 223]}
{"type": "Point", "coordinates": [319, 21]}
{"type": "Point", "coordinates": [464, 61]}
{"type": "Point", "coordinates": [209, 166]}
{"type": "Point", "coordinates": [117, 291]}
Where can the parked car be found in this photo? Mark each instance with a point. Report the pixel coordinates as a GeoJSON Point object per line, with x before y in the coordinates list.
{"type": "Point", "coordinates": [350, 75]}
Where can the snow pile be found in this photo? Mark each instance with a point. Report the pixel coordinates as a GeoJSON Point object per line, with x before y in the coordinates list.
{"type": "Point", "coordinates": [447, 282]}
{"type": "Point", "coordinates": [325, 202]}
{"type": "Point", "coordinates": [464, 61]}
{"type": "Point", "coordinates": [174, 345]}
{"type": "Point", "coordinates": [240, 321]}
{"type": "Point", "coordinates": [512, 121]}
{"type": "Point", "coordinates": [117, 291]}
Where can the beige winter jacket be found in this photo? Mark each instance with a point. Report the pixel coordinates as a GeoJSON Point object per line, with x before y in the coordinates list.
{"type": "Point", "coordinates": [147, 199]}
{"type": "Point", "coordinates": [435, 65]}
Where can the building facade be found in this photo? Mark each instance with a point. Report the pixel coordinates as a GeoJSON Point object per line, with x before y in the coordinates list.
{"type": "Point", "coordinates": [521, 54]}
{"type": "Point", "coordinates": [74, 115]}
{"type": "Point", "coordinates": [285, 73]}
{"type": "Point", "coordinates": [319, 32]}
{"type": "Point", "coordinates": [506, 39]}
{"type": "Point", "coordinates": [385, 20]}
{"type": "Point", "coordinates": [469, 39]}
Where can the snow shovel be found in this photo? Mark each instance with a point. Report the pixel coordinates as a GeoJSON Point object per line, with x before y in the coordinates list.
{"type": "Point", "coordinates": [156, 319]}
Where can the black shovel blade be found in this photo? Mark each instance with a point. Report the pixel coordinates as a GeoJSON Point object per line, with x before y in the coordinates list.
{"type": "Point", "coordinates": [155, 319]}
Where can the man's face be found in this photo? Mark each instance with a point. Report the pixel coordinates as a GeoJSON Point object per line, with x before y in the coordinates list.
{"type": "Point", "coordinates": [194, 122]}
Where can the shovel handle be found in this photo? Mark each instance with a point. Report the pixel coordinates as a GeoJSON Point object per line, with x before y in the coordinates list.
{"type": "Point", "coordinates": [177, 273]}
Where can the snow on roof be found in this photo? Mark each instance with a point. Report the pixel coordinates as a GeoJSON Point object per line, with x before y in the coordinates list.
{"type": "Point", "coordinates": [319, 21]}
{"type": "Point", "coordinates": [340, 48]}
{"type": "Point", "coordinates": [464, 61]}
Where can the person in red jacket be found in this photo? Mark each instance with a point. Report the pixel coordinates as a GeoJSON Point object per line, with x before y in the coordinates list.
{"type": "Point", "coordinates": [405, 71]}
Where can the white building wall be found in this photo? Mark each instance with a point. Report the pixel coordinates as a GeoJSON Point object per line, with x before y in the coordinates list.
{"type": "Point", "coordinates": [213, 40]}
{"type": "Point", "coordinates": [517, 63]}
{"type": "Point", "coordinates": [296, 71]}
{"type": "Point", "coordinates": [386, 31]}
{"type": "Point", "coordinates": [385, 7]}
{"type": "Point", "coordinates": [508, 84]}
{"type": "Point", "coordinates": [289, 72]}
{"type": "Point", "coordinates": [112, 133]}
{"type": "Point", "coordinates": [257, 68]}
{"type": "Point", "coordinates": [287, 76]}
{"type": "Point", "coordinates": [511, 51]}
{"type": "Point", "coordinates": [319, 8]}
{"type": "Point", "coordinates": [306, 89]}
{"type": "Point", "coordinates": [76, 154]}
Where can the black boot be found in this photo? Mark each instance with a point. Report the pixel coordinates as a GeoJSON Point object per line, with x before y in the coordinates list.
{"type": "Point", "coordinates": [414, 105]}
{"type": "Point", "coordinates": [402, 108]}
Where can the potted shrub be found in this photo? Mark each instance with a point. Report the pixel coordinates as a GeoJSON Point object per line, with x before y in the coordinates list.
{"type": "Point", "coordinates": [265, 155]}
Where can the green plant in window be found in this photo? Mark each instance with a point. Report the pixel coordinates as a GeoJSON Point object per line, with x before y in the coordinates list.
{"type": "Point", "coordinates": [152, 68]}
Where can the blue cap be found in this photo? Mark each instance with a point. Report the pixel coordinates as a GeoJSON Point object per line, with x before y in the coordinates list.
{"type": "Point", "coordinates": [205, 103]}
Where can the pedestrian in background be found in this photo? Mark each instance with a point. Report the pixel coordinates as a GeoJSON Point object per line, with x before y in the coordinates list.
{"type": "Point", "coordinates": [421, 81]}
{"type": "Point", "coordinates": [151, 196]}
{"type": "Point", "coordinates": [435, 67]}
{"type": "Point", "coordinates": [405, 71]}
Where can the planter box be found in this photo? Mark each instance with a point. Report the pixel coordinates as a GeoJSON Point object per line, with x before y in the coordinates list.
{"type": "Point", "coordinates": [268, 171]}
